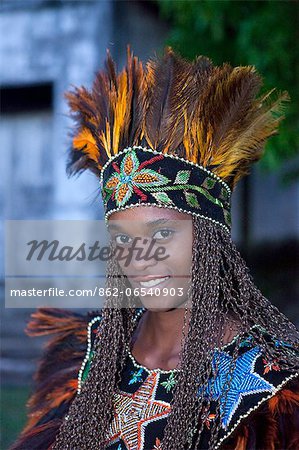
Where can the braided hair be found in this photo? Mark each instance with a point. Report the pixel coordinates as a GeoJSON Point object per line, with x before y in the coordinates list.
{"type": "Point", "coordinates": [223, 297]}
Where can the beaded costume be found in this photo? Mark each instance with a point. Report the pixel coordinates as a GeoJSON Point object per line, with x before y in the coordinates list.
{"type": "Point", "coordinates": [263, 413]}
{"type": "Point", "coordinates": [177, 135]}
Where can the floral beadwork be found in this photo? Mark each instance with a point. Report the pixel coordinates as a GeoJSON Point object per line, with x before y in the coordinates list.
{"type": "Point", "coordinates": [136, 376]}
{"type": "Point", "coordinates": [144, 395]}
{"type": "Point", "coordinates": [270, 365]}
{"type": "Point", "coordinates": [130, 176]}
{"type": "Point", "coordinates": [209, 419]}
{"type": "Point", "coordinates": [280, 343]}
{"type": "Point", "coordinates": [247, 342]}
{"type": "Point", "coordinates": [170, 383]}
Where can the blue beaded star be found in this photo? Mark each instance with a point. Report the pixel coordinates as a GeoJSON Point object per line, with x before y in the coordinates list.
{"type": "Point", "coordinates": [244, 382]}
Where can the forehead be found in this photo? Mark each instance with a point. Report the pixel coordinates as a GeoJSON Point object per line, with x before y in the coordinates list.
{"type": "Point", "coordinates": [143, 216]}
{"type": "Point", "coordinates": [143, 212]}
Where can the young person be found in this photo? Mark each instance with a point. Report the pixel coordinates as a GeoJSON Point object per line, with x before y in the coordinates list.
{"type": "Point", "coordinates": [216, 364]}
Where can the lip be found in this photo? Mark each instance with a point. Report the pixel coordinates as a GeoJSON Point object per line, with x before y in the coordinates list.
{"type": "Point", "coordinates": [150, 288]}
{"type": "Point", "coordinates": [149, 277]}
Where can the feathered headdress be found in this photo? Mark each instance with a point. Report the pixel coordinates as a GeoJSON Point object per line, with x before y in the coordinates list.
{"type": "Point", "coordinates": [174, 133]}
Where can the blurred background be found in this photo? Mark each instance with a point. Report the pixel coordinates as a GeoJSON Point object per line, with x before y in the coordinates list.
{"type": "Point", "coordinates": [48, 46]}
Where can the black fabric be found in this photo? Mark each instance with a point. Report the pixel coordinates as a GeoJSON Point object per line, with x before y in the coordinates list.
{"type": "Point", "coordinates": [255, 381]}
{"type": "Point", "coordinates": [186, 186]}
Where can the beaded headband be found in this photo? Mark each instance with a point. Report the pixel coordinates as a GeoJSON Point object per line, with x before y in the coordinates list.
{"type": "Point", "coordinates": [142, 176]}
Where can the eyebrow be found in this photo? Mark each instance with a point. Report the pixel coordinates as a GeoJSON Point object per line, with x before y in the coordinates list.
{"type": "Point", "coordinates": [153, 223]}
{"type": "Point", "coordinates": [148, 224]}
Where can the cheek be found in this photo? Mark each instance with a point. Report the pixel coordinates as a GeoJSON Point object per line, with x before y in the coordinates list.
{"type": "Point", "coordinates": [183, 256]}
{"type": "Point", "coordinates": [123, 257]}
{"type": "Point", "coordinates": [122, 264]}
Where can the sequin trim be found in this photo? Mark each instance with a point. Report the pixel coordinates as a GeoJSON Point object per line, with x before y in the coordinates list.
{"type": "Point", "coordinates": [151, 371]}
{"type": "Point", "coordinates": [88, 350]}
{"type": "Point", "coordinates": [140, 366]}
{"type": "Point", "coordinates": [136, 364]}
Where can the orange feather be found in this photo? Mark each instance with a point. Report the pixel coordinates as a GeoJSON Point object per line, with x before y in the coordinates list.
{"type": "Point", "coordinates": [285, 401]}
{"type": "Point", "coordinates": [210, 115]}
{"type": "Point", "coordinates": [85, 141]}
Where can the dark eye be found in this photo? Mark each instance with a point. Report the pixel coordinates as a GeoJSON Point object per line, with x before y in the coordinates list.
{"type": "Point", "coordinates": [163, 234]}
{"type": "Point", "coordinates": [122, 239]}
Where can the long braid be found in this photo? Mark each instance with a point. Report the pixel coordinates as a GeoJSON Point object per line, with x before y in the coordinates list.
{"type": "Point", "coordinates": [91, 411]}
{"type": "Point", "coordinates": [224, 300]}
{"type": "Point", "coordinates": [230, 301]}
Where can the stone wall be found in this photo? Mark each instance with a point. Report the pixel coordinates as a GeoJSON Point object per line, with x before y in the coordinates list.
{"type": "Point", "coordinates": [63, 43]}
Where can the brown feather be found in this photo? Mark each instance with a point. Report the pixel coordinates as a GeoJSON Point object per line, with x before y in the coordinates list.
{"type": "Point", "coordinates": [207, 114]}
{"type": "Point", "coordinates": [56, 380]}
{"type": "Point", "coordinates": [165, 101]}
{"type": "Point", "coordinates": [285, 401]}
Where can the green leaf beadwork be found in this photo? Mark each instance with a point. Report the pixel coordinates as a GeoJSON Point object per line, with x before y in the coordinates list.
{"type": "Point", "coordinates": [131, 177]}
{"type": "Point", "coordinates": [170, 383]}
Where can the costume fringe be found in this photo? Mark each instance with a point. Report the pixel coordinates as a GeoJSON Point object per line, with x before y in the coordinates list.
{"type": "Point", "coordinates": [56, 380]}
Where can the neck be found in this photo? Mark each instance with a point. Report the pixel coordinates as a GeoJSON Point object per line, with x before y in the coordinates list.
{"type": "Point", "coordinates": [161, 331]}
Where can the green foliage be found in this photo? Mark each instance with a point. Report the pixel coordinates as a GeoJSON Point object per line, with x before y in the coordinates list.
{"type": "Point", "coordinates": [259, 33]}
{"type": "Point", "coordinates": [12, 413]}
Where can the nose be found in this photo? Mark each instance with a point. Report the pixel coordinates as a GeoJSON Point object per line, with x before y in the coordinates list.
{"type": "Point", "coordinates": [140, 256]}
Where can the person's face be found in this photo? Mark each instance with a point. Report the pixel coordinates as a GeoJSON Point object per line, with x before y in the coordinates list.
{"type": "Point", "coordinates": [159, 242]}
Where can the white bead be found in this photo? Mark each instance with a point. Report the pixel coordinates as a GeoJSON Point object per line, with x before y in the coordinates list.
{"type": "Point", "coordinates": [87, 355]}
{"type": "Point", "coordinates": [133, 205]}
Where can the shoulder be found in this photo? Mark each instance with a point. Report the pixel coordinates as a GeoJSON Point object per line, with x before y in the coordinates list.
{"type": "Point", "coordinates": [266, 399]}
{"type": "Point", "coordinates": [56, 379]}
{"type": "Point", "coordinates": [274, 424]}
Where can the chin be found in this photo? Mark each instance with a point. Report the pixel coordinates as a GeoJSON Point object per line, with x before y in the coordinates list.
{"type": "Point", "coordinates": [154, 304]}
